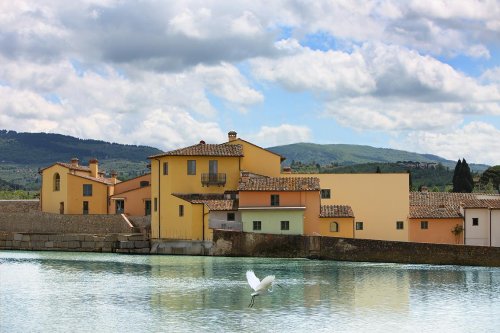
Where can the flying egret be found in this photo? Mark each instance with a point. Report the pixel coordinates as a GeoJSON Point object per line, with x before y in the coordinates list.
{"type": "Point", "coordinates": [260, 287]}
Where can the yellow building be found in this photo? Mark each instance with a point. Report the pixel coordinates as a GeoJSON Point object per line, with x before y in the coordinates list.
{"type": "Point", "coordinates": [380, 202]}
{"type": "Point", "coordinates": [201, 169]}
{"type": "Point", "coordinates": [132, 197]}
{"type": "Point", "coordinates": [70, 188]}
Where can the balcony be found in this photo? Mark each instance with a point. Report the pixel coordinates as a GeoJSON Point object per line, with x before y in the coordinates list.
{"type": "Point", "coordinates": [208, 179]}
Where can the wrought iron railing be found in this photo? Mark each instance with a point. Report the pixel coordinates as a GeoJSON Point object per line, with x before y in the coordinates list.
{"type": "Point", "coordinates": [218, 179]}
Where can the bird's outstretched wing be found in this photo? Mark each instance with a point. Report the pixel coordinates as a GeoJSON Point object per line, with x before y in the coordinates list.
{"type": "Point", "coordinates": [266, 283]}
{"type": "Point", "coordinates": [253, 281]}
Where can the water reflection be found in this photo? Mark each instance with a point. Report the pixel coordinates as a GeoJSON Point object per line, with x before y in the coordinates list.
{"type": "Point", "coordinates": [111, 292]}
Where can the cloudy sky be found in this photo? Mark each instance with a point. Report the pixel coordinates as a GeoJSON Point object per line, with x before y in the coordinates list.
{"type": "Point", "coordinates": [421, 76]}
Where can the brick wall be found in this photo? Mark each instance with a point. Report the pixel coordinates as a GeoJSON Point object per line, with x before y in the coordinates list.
{"type": "Point", "coordinates": [227, 243]}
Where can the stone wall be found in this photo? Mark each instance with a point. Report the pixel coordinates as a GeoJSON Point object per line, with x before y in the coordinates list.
{"type": "Point", "coordinates": [119, 243]}
{"type": "Point", "coordinates": [25, 216]}
{"type": "Point", "coordinates": [227, 243]}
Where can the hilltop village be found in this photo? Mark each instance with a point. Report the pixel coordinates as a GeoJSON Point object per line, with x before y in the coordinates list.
{"type": "Point", "coordinates": [239, 186]}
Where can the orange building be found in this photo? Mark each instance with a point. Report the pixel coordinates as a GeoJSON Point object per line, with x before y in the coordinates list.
{"type": "Point", "coordinates": [132, 197]}
{"type": "Point", "coordinates": [279, 205]}
{"type": "Point", "coordinates": [336, 221]}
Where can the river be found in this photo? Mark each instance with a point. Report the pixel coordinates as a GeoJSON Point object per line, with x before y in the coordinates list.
{"type": "Point", "coordinates": [94, 292]}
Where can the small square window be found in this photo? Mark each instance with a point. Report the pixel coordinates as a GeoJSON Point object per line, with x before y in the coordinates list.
{"type": "Point", "coordinates": [87, 190]}
{"type": "Point", "coordinates": [475, 221]}
{"type": "Point", "coordinates": [285, 225]}
{"type": "Point", "coordinates": [325, 193]}
{"type": "Point", "coordinates": [275, 199]}
{"type": "Point", "coordinates": [399, 225]}
{"type": "Point", "coordinates": [191, 167]}
{"type": "Point", "coordinates": [257, 225]}
{"type": "Point", "coordinates": [359, 225]}
{"type": "Point", "coordinates": [424, 225]}
{"type": "Point", "coordinates": [181, 210]}
{"type": "Point", "coordinates": [230, 216]}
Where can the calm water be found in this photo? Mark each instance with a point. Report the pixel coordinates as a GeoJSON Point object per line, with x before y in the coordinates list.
{"type": "Point", "coordinates": [82, 292]}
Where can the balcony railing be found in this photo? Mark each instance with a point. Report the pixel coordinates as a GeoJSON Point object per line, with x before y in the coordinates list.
{"type": "Point", "coordinates": [208, 179]}
{"type": "Point", "coordinates": [225, 225]}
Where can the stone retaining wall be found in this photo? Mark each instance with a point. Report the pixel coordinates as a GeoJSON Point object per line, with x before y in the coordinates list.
{"type": "Point", "coordinates": [227, 243]}
{"type": "Point", "coordinates": [19, 206]}
{"type": "Point", "coordinates": [119, 243]}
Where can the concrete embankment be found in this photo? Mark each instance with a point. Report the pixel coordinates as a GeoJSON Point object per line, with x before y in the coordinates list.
{"type": "Point", "coordinates": [229, 243]}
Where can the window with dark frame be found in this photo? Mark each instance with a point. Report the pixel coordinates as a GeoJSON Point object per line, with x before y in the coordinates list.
{"type": "Point", "coordinates": [275, 199]}
{"type": "Point", "coordinates": [87, 190]}
{"type": "Point", "coordinates": [231, 216]}
{"type": "Point", "coordinates": [325, 193]}
{"type": "Point", "coordinates": [191, 167]}
{"type": "Point", "coordinates": [85, 207]}
{"type": "Point", "coordinates": [155, 204]}
{"type": "Point", "coordinates": [359, 225]}
{"type": "Point", "coordinates": [475, 221]}
{"type": "Point", "coordinates": [334, 227]}
{"type": "Point", "coordinates": [181, 210]}
{"type": "Point", "coordinates": [285, 225]}
{"type": "Point", "coordinates": [424, 225]}
{"type": "Point", "coordinates": [399, 225]}
{"type": "Point", "coordinates": [144, 183]}
{"type": "Point", "coordinates": [165, 168]}
{"type": "Point", "coordinates": [257, 225]}
{"type": "Point", "coordinates": [57, 182]}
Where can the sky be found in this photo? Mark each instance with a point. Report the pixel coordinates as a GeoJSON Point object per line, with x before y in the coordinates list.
{"type": "Point", "coordinates": [420, 76]}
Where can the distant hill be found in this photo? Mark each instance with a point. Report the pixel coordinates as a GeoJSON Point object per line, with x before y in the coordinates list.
{"type": "Point", "coordinates": [45, 148]}
{"type": "Point", "coordinates": [22, 154]}
{"type": "Point", "coordinates": [345, 155]}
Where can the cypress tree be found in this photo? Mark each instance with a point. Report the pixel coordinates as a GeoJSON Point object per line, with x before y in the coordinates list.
{"type": "Point", "coordinates": [456, 176]}
{"type": "Point", "coordinates": [467, 180]}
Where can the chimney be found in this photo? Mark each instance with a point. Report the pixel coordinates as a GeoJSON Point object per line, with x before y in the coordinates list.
{"type": "Point", "coordinates": [287, 170]}
{"type": "Point", "coordinates": [94, 168]}
{"type": "Point", "coordinates": [232, 136]}
{"type": "Point", "coordinates": [245, 175]}
{"type": "Point", "coordinates": [113, 176]}
{"type": "Point", "coordinates": [74, 162]}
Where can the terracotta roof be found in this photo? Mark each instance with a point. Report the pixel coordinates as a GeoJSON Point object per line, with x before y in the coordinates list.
{"type": "Point", "coordinates": [433, 212]}
{"type": "Point", "coordinates": [107, 181]}
{"type": "Point", "coordinates": [280, 184]}
{"type": "Point", "coordinates": [214, 201]}
{"type": "Point", "coordinates": [439, 198]}
{"type": "Point", "coordinates": [336, 211]}
{"type": "Point", "coordinates": [203, 149]}
{"type": "Point", "coordinates": [482, 203]}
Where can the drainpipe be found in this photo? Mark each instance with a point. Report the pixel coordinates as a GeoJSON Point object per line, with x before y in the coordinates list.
{"type": "Point", "coordinates": [159, 197]}
{"type": "Point", "coordinates": [465, 224]}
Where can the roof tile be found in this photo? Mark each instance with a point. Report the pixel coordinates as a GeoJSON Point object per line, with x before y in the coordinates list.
{"type": "Point", "coordinates": [280, 184]}
{"type": "Point", "coordinates": [336, 211]}
{"type": "Point", "coordinates": [203, 149]}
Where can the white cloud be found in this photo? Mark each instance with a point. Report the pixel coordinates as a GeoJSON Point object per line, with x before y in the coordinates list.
{"type": "Point", "coordinates": [280, 135]}
{"type": "Point", "coordinates": [477, 141]}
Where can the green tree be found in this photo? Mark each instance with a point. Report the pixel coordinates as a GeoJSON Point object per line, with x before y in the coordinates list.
{"type": "Point", "coordinates": [378, 170]}
{"type": "Point", "coordinates": [492, 174]}
{"type": "Point", "coordinates": [462, 178]}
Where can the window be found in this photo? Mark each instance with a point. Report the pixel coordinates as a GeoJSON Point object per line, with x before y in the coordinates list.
{"type": "Point", "coordinates": [399, 225]}
{"type": "Point", "coordinates": [275, 199]}
{"type": "Point", "coordinates": [334, 227]}
{"type": "Point", "coordinates": [191, 167]}
{"type": "Point", "coordinates": [85, 207]}
{"type": "Point", "coordinates": [285, 225]}
{"type": "Point", "coordinates": [475, 221]}
{"type": "Point", "coordinates": [144, 183]}
{"type": "Point", "coordinates": [165, 168]}
{"type": "Point", "coordinates": [424, 225]}
{"type": "Point", "coordinates": [230, 216]}
{"type": "Point", "coordinates": [213, 167]}
{"type": "Point", "coordinates": [156, 204]}
{"type": "Point", "coordinates": [57, 182]}
{"type": "Point", "coordinates": [181, 210]}
{"type": "Point", "coordinates": [120, 206]}
{"type": "Point", "coordinates": [325, 193]}
{"type": "Point", "coordinates": [257, 225]}
{"type": "Point", "coordinates": [87, 190]}
{"type": "Point", "coordinates": [359, 225]}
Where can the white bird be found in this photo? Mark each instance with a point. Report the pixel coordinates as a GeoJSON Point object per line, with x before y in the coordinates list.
{"type": "Point", "coordinates": [260, 287]}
